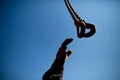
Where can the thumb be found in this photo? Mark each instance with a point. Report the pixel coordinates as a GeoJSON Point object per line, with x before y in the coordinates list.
{"type": "Point", "coordinates": [68, 53]}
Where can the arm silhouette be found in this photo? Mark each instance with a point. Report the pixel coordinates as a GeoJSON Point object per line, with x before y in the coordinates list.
{"type": "Point", "coordinates": [56, 70]}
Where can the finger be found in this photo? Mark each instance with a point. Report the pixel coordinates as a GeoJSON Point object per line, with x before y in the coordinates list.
{"type": "Point", "coordinates": [68, 54]}
{"type": "Point", "coordinates": [67, 41]}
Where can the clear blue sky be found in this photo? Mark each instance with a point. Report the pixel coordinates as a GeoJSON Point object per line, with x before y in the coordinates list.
{"type": "Point", "coordinates": [32, 31]}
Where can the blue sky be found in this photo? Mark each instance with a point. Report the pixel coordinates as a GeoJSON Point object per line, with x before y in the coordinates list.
{"type": "Point", "coordinates": [32, 31]}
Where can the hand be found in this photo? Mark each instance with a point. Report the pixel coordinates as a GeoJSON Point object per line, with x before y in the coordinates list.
{"type": "Point", "coordinates": [62, 54]}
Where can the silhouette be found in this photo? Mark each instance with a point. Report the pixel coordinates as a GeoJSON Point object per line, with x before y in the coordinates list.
{"type": "Point", "coordinates": [80, 24]}
{"type": "Point", "coordinates": [56, 70]}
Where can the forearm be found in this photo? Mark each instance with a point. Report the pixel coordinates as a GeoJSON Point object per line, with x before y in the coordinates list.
{"type": "Point", "coordinates": [55, 72]}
